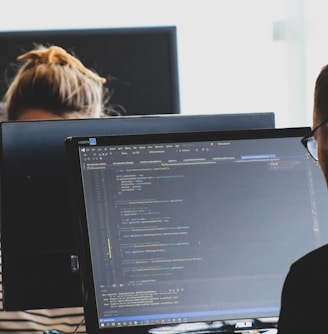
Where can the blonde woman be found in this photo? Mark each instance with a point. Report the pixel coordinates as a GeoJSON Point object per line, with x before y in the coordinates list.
{"type": "Point", "coordinates": [51, 83]}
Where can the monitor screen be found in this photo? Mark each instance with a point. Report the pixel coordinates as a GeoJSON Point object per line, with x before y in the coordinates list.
{"type": "Point", "coordinates": [37, 233]}
{"type": "Point", "coordinates": [196, 229]}
{"type": "Point", "coordinates": [141, 64]}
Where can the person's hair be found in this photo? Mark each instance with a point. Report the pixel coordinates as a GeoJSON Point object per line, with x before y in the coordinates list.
{"type": "Point", "coordinates": [321, 95]}
{"type": "Point", "coordinates": [54, 80]}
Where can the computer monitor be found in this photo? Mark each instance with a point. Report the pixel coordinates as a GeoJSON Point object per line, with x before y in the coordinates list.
{"type": "Point", "coordinates": [37, 232]}
{"type": "Point", "coordinates": [141, 63]}
{"type": "Point", "coordinates": [194, 231]}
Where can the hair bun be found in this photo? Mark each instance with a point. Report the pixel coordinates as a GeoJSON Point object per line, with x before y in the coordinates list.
{"type": "Point", "coordinates": [57, 55]}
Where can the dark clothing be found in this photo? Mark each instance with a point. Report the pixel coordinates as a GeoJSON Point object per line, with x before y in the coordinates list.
{"type": "Point", "coordinates": [304, 303]}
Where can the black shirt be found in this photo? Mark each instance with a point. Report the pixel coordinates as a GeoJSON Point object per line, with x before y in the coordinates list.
{"type": "Point", "coordinates": [304, 303]}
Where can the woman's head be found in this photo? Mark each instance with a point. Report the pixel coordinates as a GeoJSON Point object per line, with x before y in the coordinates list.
{"type": "Point", "coordinates": [51, 81]}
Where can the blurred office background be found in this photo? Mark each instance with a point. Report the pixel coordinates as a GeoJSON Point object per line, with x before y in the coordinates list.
{"type": "Point", "coordinates": [235, 56]}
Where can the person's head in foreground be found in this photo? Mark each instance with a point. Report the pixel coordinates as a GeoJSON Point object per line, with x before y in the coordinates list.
{"type": "Point", "coordinates": [317, 140]}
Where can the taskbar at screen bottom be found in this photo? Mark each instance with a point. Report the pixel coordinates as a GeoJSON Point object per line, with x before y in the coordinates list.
{"type": "Point", "coordinates": [182, 323]}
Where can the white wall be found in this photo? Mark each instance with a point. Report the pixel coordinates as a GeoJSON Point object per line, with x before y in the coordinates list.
{"type": "Point", "coordinates": [234, 55]}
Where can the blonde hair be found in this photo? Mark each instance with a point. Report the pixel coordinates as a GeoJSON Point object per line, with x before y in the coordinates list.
{"type": "Point", "coordinates": [54, 80]}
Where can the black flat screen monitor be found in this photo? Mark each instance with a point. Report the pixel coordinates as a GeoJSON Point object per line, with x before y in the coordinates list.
{"type": "Point", "coordinates": [194, 231]}
{"type": "Point", "coordinates": [37, 233]}
{"type": "Point", "coordinates": [140, 63]}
